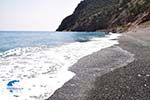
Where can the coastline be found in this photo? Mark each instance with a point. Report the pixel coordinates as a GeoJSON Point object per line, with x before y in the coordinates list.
{"type": "Point", "coordinates": [46, 68]}
{"type": "Point", "coordinates": [112, 73]}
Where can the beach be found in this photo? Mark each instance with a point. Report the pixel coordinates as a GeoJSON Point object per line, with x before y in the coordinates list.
{"type": "Point", "coordinates": [25, 70]}
{"type": "Point", "coordinates": [120, 72]}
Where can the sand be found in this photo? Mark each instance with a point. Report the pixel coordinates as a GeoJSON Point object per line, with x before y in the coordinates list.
{"type": "Point", "coordinates": [121, 72]}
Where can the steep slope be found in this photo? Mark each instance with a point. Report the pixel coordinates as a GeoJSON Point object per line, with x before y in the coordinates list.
{"type": "Point", "coordinates": [110, 15]}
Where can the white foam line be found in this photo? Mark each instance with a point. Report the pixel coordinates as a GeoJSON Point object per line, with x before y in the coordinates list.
{"type": "Point", "coordinates": [41, 72]}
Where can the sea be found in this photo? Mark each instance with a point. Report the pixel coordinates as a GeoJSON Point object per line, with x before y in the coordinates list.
{"type": "Point", "coordinates": [33, 65]}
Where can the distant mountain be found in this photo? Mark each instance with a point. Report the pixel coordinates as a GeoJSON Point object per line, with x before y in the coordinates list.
{"type": "Point", "coordinates": [109, 15]}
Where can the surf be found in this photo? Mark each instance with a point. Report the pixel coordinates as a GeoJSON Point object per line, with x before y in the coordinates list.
{"type": "Point", "coordinates": [40, 71]}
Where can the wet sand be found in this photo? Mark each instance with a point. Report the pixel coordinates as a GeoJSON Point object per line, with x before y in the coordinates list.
{"type": "Point", "coordinates": [121, 72]}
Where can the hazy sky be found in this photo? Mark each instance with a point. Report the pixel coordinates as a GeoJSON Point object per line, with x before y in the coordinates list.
{"type": "Point", "coordinates": [44, 15]}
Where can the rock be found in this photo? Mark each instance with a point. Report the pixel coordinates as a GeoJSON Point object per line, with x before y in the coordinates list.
{"type": "Point", "coordinates": [110, 15]}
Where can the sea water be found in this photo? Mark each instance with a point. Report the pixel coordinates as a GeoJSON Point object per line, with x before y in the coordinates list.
{"type": "Point", "coordinates": [33, 65]}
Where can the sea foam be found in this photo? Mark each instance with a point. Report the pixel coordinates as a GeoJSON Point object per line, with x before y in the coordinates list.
{"type": "Point", "coordinates": [39, 72]}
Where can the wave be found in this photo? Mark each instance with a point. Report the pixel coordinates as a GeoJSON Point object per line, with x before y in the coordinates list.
{"type": "Point", "coordinates": [41, 71]}
{"type": "Point", "coordinates": [19, 51]}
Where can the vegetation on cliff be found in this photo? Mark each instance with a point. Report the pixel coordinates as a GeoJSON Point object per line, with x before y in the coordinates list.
{"type": "Point", "coordinates": [110, 15]}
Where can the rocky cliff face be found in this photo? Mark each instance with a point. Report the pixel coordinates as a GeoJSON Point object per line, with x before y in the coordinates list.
{"type": "Point", "coordinates": [110, 15]}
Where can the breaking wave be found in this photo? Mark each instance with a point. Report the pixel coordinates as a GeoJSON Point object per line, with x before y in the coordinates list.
{"type": "Point", "coordinates": [40, 71]}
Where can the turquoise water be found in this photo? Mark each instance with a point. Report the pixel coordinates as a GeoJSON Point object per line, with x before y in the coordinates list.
{"type": "Point", "coordinates": [32, 61]}
{"type": "Point", "coordinates": [10, 40]}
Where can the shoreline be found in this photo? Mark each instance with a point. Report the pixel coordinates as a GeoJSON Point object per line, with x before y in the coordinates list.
{"type": "Point", "coordinates": [93, 80]}
{"type": "Point", "coordinates": [78, 86]}
{"type": "Point", "coordinates": [46, 68]}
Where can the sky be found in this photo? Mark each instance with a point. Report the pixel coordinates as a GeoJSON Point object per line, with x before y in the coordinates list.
{"type": "Point", "coordinates": [34, 15]}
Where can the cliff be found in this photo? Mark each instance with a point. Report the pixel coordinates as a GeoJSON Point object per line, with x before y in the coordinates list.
{"type": "Point", "coordinates": [110, 15]}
